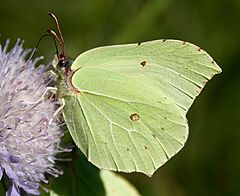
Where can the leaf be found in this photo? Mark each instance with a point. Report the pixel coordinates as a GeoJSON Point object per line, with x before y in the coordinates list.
{"type": "Point", "coordinates": [116, 185]}
{"type": "Point", "coordinates": [126, 105]}
{"type": "Point", "coordinates": [84, 179]}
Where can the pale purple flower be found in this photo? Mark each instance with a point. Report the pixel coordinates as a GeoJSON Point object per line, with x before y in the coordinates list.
{"type": "Point", "coordinates": [29, 134]}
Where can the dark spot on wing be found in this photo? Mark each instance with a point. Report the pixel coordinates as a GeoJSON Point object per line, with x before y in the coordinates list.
{"type": "Point", "coordinates": [134, 117]}
{"type": "Point", "coordinates": [164, 40]}
{"type": "Point", "coordinates": [127, 149]}
{"type": "Point", "coordinates": [199, 91]}
{"type": "Point", "coordinates": [199, 49]}
{"type": "Point", "coordinates": [184, 43]}
{"type": "Point", "coordinates": [162, 128]}
{"type": "Point", "coordinates": [139, 43]}
{"type": "Point", "coordinates": [213, 62]}
{"type": "Point", "coordinates": [143, 63]}
{"type": "Point", "coordinates": [145, 147]}
{"type": "Point", "coordinates": [165, 117]}
{"type": "Point", "coordinates": [154, 135]}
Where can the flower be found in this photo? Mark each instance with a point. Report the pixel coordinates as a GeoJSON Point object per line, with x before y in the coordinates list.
{"type": "Point", "coordinates": [29, 133]}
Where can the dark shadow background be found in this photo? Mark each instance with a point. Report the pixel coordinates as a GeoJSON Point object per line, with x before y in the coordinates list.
{"type": "Point", "coordinates": [209, 164]}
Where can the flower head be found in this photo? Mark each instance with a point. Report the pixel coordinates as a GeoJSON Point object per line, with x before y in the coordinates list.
{"type": "Point", "coordinates": [29, 134]}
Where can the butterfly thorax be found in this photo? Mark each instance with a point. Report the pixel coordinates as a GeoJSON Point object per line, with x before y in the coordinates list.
{"type": "Point", "coordinates": [65, 74]}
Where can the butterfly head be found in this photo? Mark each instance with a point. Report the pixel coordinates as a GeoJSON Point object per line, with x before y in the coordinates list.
{"type": "Point", "coordinates": [64, 62]}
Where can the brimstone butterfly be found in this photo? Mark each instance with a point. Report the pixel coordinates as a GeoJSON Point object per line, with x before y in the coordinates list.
{"type": "Point", "coordinates": [125, 105]}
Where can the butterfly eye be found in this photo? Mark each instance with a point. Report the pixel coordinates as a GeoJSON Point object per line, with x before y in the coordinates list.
{"type": "Point", "coordinates": [62, 63]}
{"type": "Point", "coordinates": [65, 63]}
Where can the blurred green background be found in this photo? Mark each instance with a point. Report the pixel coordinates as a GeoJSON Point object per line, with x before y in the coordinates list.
{"type": "Point", "coordinates": [209, 164]}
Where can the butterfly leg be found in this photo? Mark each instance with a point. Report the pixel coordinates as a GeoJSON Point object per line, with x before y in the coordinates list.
{"type": "Point", "coordinates": [58, 110]}
{"type": "Point", "coordinates": [49, 88]}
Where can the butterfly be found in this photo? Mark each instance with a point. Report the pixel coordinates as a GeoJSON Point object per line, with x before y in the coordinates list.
{"type": "Point", "coordinates": [125, 105]}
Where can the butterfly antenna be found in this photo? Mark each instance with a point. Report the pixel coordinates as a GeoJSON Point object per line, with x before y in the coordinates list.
{"type": "Point", "coordinates": [54, 34]}
{"type": "Point", "coordinates": [61, 42]}
{"type": "Point", "coordinates": [55, 44]}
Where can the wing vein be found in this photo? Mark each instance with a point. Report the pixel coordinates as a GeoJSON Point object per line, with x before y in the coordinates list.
{"type": "Point", "coordinates": [114, 141]}
{"type": "Point", "coordinates": [91, 132]}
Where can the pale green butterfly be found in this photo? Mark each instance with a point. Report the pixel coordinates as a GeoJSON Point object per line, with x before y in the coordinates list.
{"type": "Point", "coordinates": [125, 105]}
